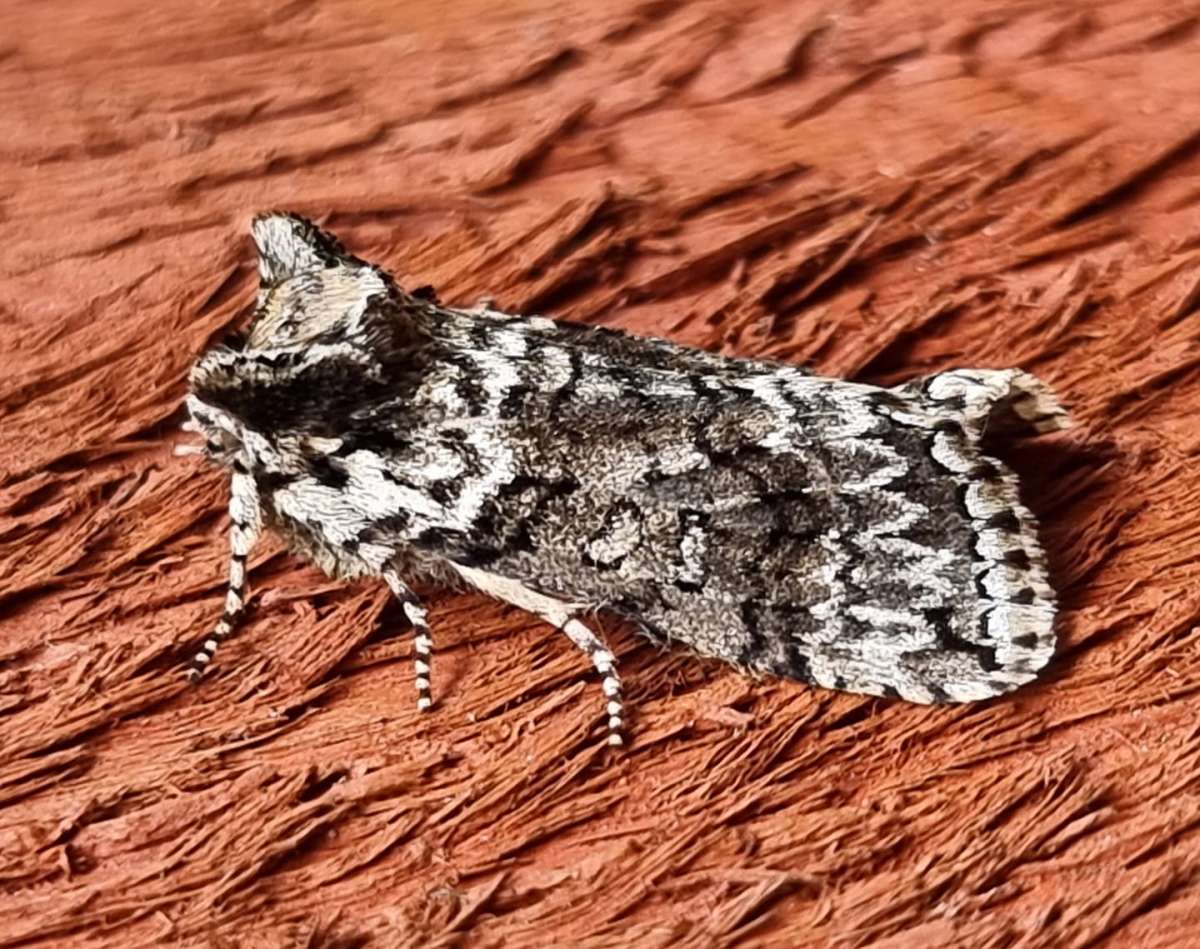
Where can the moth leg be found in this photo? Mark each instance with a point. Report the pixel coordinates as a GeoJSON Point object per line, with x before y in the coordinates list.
{"type": "Point", "coordinates": [559, 613]}
{"type": "Point", "coordinates": [245, 511]}
{"type": "Point", "coordinates": [606, 664]}
{"type": "Point", "coordinates": [422, 641]}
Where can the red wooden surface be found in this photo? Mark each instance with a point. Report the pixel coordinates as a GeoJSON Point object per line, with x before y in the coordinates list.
{"type": "Point", "coordinates": [879, 189]}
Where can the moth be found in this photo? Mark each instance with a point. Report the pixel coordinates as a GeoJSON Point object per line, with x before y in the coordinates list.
{"type": "Point", "coordinates": [846, 535]}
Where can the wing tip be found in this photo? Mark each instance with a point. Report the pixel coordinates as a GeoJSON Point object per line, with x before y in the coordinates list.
{"type": "Point", "coordinates": [1008, 402]}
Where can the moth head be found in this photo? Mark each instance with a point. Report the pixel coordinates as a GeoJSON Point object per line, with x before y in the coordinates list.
{"type": "Point", "coordinates": [310, 288]}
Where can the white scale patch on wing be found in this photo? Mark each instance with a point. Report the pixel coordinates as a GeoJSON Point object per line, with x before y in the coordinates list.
{"type": "Point", "coordinates": [338, 517]}
{"type": "Point", "coordinates": [679, 459]}
{"type": "Point", "coordinates": [554, 370]}
{"type": "Point", "coordinates": [693, 547]}
{"type": "Point", "coordinates": [768, 389]}
{"type": "Point", "coordinates": [510, 345]}
{"type": "Point", "coordinates": [498, 374]}
{"type": "Point", "coordinates": [379, 496]}
{"type": "Point", "coordinates": [946, 453]}
{"type": "Point", "coordinates": [830, 611]}
{"type": "Point", "coordinates": [621, 537]}
{"type": "Point", "coordinates": [892, 631]}
{"type": "Point", "coordinates": [498, 462]}
{"type": "Point", "coordinates": [668, 387]}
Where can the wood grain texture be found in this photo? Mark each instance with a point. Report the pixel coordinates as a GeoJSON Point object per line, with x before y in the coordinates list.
{"type": "Point", "coordinates": [878, 189]}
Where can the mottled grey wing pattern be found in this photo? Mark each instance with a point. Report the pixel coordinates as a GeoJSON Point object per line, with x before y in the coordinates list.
{"type": "Point", "coordinates": [789, 524]}
{"type": "Point", "coordinates": [847, 535]}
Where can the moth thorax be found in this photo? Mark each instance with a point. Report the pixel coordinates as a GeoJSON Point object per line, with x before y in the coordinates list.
{"type": "Point", "coordinates": [313, 304]}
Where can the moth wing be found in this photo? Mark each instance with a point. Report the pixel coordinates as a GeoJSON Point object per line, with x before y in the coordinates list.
{"type": "Point", "coordinates": [891, 557]}
{"type": "Point", "coordinates": [864, 543]}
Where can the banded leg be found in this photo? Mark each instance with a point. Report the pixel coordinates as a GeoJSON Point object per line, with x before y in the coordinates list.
{"type": "Point", "coordinates": [561, 614]}
{"type": "Point", "coordinates": [606, 664]}
{"type": "Point", "coordinates": [422, 641]}
{"type": "Point", "coordinates": [246, 514]}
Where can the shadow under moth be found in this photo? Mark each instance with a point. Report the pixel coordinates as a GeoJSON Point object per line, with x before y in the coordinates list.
{"type": "Point", "coordinates": [846, 535]}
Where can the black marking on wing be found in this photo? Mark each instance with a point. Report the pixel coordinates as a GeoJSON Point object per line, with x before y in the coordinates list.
{"type": "Point", "coordinates": [466, 381]}
{"type": "Point", "coordinates": [328, 472]}
{"type": "Point", "coordinates": [939, 619]}
{"type": "Point", "coordinates": [619, 514]}
{"type": "Point", "coordinates": [504, 524]}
